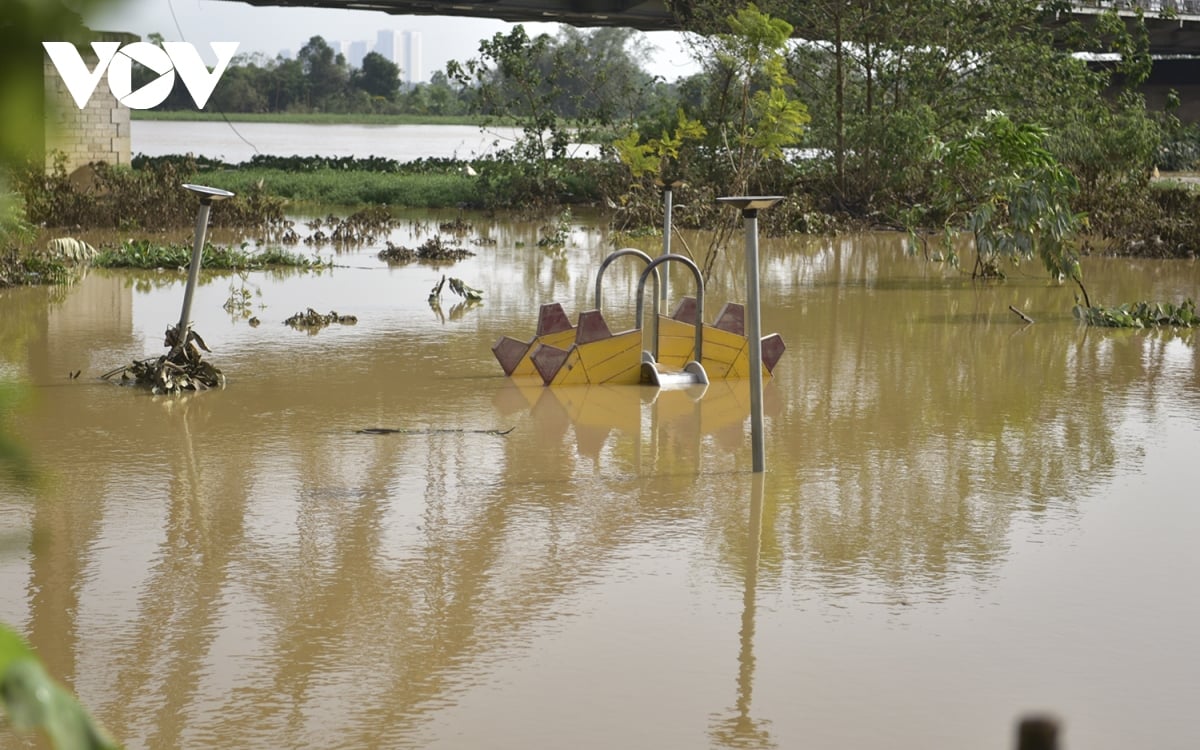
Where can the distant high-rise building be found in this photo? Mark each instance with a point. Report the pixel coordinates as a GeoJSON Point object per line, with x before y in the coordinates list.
{"type": "Point", "coordinates": [385, 44]}
{"type": "Point", "coordinates": [338, 47]}
{"type": "Point", "coordinates": [410, 63]}
{"type": "Point", "coordinates": [358, 50]}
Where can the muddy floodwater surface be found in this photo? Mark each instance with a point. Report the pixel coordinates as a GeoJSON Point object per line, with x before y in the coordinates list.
{"type": "Point", "coordinates": [964, 518]}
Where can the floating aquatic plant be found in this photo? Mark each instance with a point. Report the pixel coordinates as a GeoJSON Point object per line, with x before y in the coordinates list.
{"type": "Point", "coordinates": [1141, 315]}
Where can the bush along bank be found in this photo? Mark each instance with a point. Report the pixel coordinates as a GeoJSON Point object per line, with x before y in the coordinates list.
{"type": "Point", "coordinates": [1161, 220]}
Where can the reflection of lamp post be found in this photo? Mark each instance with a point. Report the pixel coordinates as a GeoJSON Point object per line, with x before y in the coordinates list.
{"type": "Point", "coordinates": [750, 206]}
{"type": "Point", "coordinates": [742, 731]}
{"type": "Point", "coordinates": [208, 196]}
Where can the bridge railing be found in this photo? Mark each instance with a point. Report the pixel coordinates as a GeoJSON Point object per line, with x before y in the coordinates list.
{"type": "Point", "coordinates": [1150, 7]}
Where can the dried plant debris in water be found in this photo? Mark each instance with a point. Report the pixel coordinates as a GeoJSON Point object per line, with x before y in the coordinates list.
{"type": "Point", "coordinates": [458, 226]}
{"type": "Point", "coordinates": [397, 253]}
{"type": "Point", "coordinates": [314, 320]}
{"type": "Point", "coordinates": [180, 369]}
{"type": "Point", "coordinates": [434, 248]}
{"type": "Point", "coordinates": [359, 228]}
{"type": "Point", "coordinates": [458, 286]}
{"type": "Point", "coordinates": [463, 290]}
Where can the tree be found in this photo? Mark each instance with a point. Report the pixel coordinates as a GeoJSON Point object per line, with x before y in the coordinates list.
{"type": "Point", "coordinates": [437, 97]}
{"type": "Point", "coordinates": [326, 74]}
{"type": "Point", "coordinates": [734, 123]}
{"type": "Point", "coordinates": [288, 87]}
{"type": "Point", "coordinates": [1000, 183]}
{"type": "Point", "coordinates": [599, 74]}
{"type": "Point", "coordinates": [881, 79]}
{"type": "Point", "coordinates": [244, 88]}
{"type": "Point", "coordinates": [591, 79]}
{"type": "Point", "coordinates": [509, 82]}
{"type": "Point", "coordinates": [378, 76]}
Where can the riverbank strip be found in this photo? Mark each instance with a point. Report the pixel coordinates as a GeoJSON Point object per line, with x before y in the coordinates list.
{"type": "Point", "coordinates": [351, 188]}
{"type": "Point", "coordinates": [316, 118]}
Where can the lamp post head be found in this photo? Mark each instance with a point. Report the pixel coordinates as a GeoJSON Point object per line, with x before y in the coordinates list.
{"type": "Point", "coordinates": [750, 205]}
{"type": "Point", "coordinates": [208, 195]}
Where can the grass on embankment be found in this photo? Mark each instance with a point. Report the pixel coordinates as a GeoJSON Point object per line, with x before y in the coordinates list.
{"type": "Point", "coordinates": [352, 188]}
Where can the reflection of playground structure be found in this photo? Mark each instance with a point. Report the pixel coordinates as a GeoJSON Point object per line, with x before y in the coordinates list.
{"type": "Point", "coordinates": [684, 416]}
{"type": "Point", "coordinates": [352, 621]}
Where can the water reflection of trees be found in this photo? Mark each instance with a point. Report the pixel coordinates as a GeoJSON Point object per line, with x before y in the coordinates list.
{"type": "Point", "coordinates": [914, 441]}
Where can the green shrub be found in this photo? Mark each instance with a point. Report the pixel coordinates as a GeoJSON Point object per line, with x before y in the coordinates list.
{"type": "Point", "coordinates": [147, 255]}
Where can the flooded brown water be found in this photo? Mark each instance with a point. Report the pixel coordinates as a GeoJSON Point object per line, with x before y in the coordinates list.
{"type": "Point", "coordinates": [963, 518]}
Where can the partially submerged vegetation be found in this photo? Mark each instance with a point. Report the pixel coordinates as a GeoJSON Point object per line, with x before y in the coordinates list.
{"type": "Point", "coordinates": [433, 249]}
{"type": "Point", "coordinates": [313, 320]}
{"type": "Point", "coordinates": [145, 254]}
{"type": "Point", "coordinates": [181, 369]}
{"type": "Point", "coordinates": [102, 196]}
{"type": "Point", "coordinates": [1141, 315]}
{"type": "Point", "coordinates": [19, 268]}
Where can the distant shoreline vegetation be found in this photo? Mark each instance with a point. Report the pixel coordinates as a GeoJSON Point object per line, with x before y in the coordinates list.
{"type": "Point", "coordinates": [311, 118]}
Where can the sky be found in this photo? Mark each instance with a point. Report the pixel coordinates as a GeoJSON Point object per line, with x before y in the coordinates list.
{"type": "Point", "coordinates": [272, 30]}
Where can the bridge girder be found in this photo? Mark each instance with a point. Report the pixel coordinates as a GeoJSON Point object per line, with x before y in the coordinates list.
{"type": "Point", "coordinates": [1176, 33]}
{"type": "Point", "coordinates": [645, 15]}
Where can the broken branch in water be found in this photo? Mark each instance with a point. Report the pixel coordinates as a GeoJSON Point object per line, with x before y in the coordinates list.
{"type": "Point", "coordinates": [426, 431]}
{"type": "Point", "coordinates": [436, 293]}
{"type": "Point", "coordinates": [1020, 314]}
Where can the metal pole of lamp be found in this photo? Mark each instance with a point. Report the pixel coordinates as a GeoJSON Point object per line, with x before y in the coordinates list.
{"type": "Point", "coordinates": [750, 205]}
{"type": "Point", "coordinates": [208, 196]}
{"type": "Point", "coordinates": [668, 184]}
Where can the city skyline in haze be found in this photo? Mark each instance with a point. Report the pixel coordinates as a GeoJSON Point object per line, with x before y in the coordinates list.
{"type": "Point", "coordinates": [403, 48]}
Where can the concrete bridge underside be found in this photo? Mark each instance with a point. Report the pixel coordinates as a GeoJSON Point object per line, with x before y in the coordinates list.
{"type": "Point", "coordinates": [646, 15]}
{"type": "Point", "coordinates": [1173, 25]}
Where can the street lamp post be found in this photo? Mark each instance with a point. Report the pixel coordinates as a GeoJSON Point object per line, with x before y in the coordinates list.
{"type": "Point", "coordinates": [750, 205]}
{"type": "Point", "coordinates": [208, 196]}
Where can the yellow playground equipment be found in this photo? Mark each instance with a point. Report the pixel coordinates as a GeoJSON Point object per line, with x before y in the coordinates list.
{"type": "Point", "coordinates": [683, 349]}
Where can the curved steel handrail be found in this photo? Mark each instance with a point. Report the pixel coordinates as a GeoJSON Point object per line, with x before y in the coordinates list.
{"type": "Point", "coordinates": [621, 253]}
{"type": "Point", "coordinates": [641, 305]}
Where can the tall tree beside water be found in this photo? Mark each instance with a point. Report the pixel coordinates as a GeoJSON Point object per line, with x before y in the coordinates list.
{"type": "Point", "coordinates": [584, 79]}
{"type": "Point", "coordinates": [378, 76]}
{"type": "Point", "coordinates": [559, 92]}
{"type": "Point", "coordinates": [326, 75]}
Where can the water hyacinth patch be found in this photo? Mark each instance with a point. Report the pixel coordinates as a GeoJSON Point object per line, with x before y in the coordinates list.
{"type": "Point", "coordinates": [145, 254]}
{"type": "Point", "coordinates": [1141, 315]}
